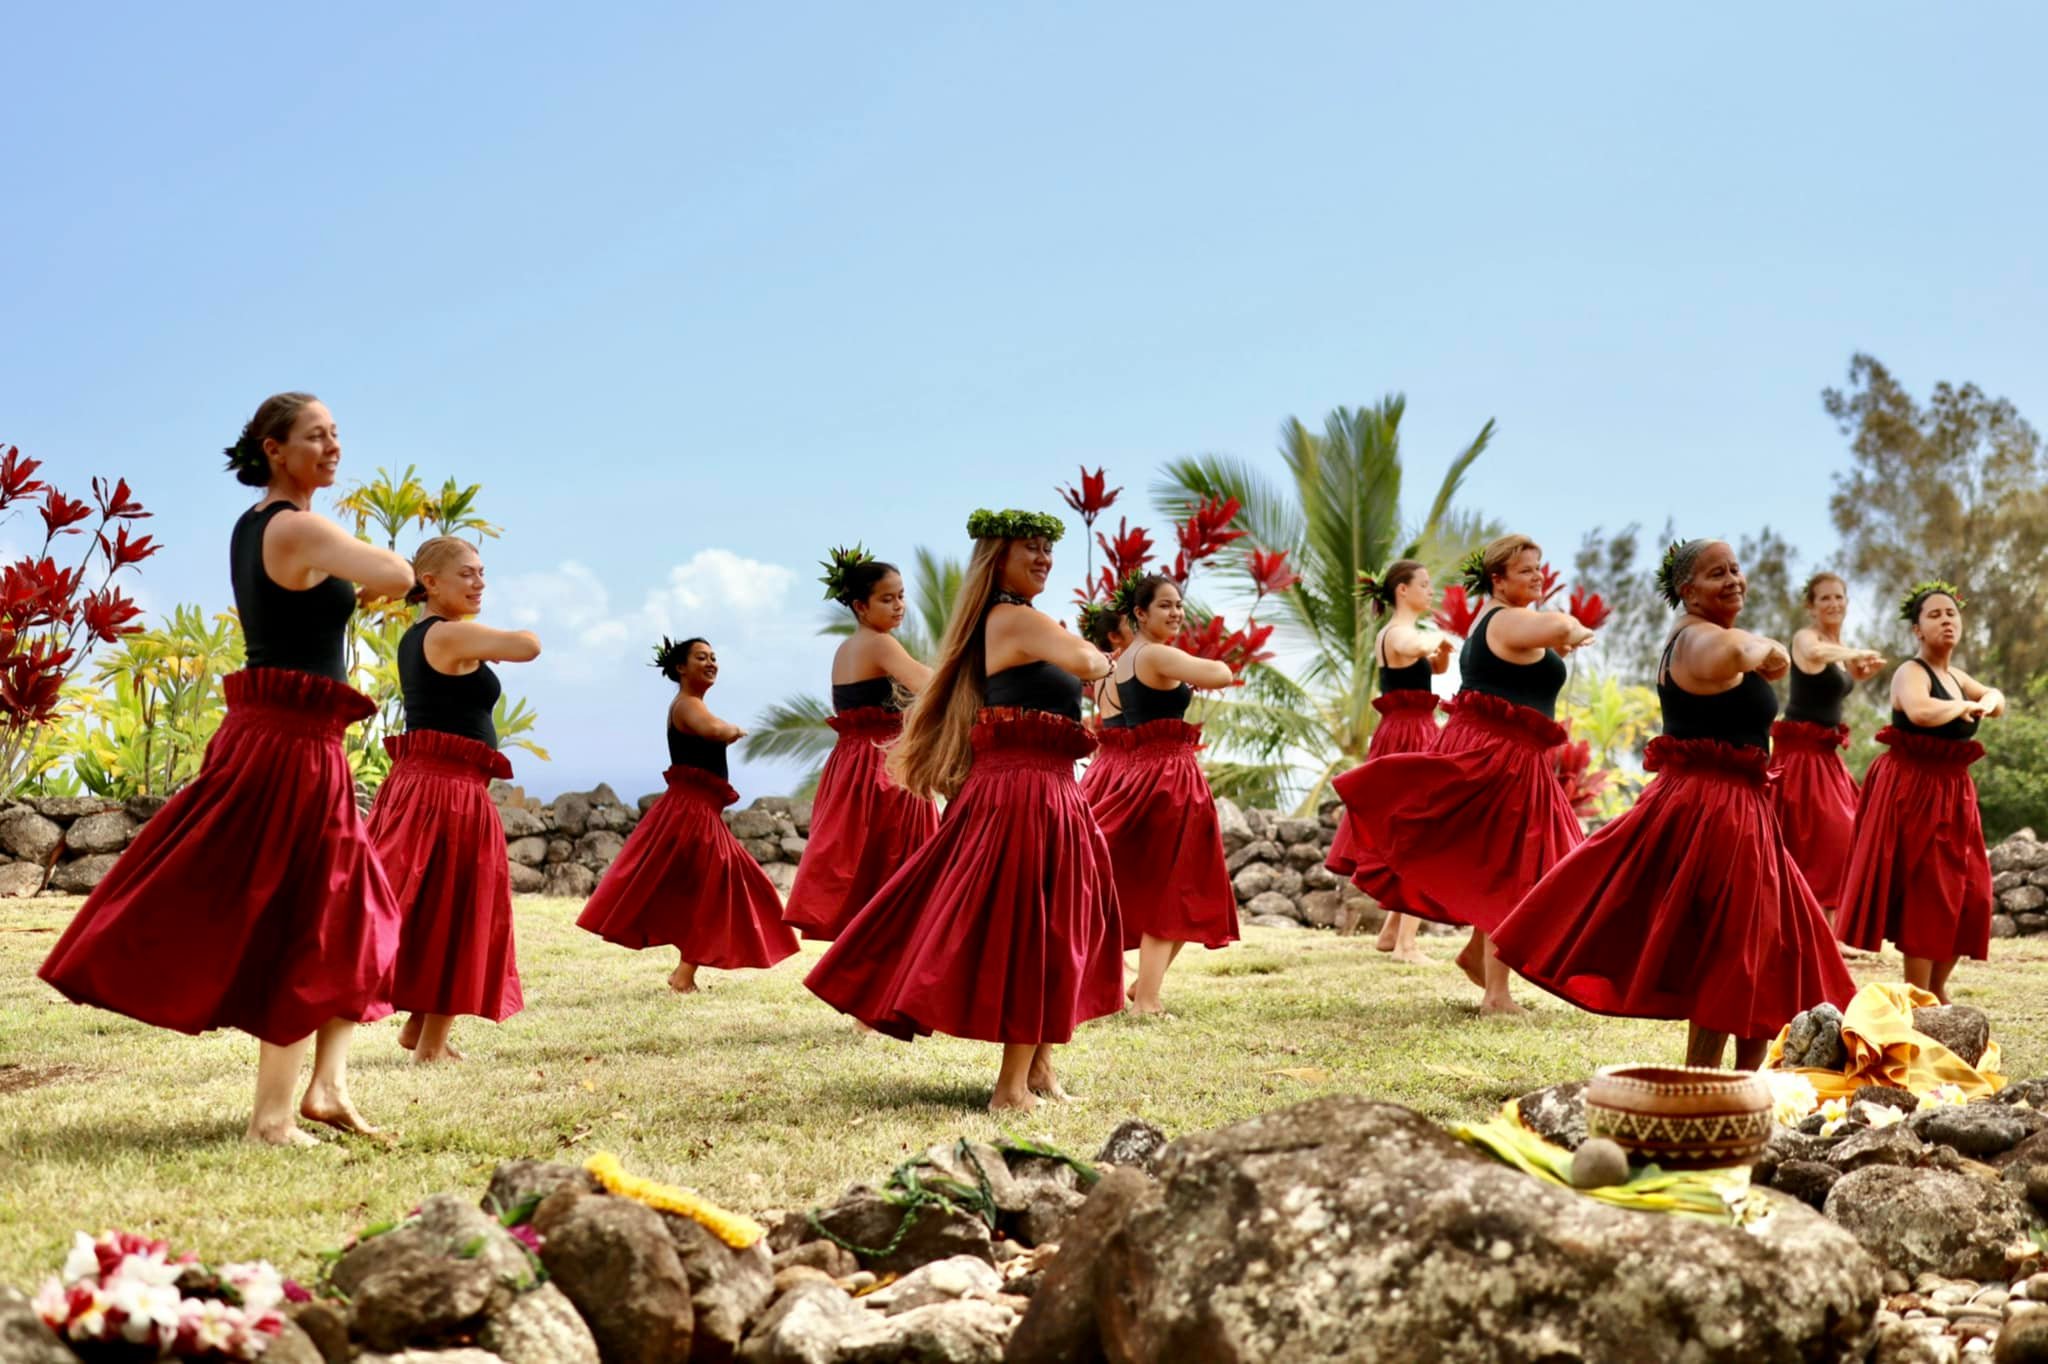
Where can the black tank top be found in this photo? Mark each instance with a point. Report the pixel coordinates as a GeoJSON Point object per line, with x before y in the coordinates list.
{"type": "Point", "coordinates": [694, 750]}
{"type": "Point", "coordinates": [1115, 721]}
{"type": "Point", "coordinates": [1142, 703]}
{"type": "Point", "coordinates": [1414, 677]}
{"type": "Point", "coordinates": [1534, 685]}
{"type": "Point", "coordinates": [875, 691]}
{"type": "Point", "coordinates": [1741, 715]}
{"type": "Point", "coordinates": [1958, 729]}
{"type": "Point", "coordinates": [451, 703]}
{"type": "Point", "coordinates": [1816, 698]}
{"type": "Point", "coordinates": [302, 630]}
{"type": "Point", "coordinates": [1037, 685]}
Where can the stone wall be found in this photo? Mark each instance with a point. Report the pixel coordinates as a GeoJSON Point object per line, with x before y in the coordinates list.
{"type": "Point", "coordinates": [63, 845]}
{"type": "Point", "coordinates": [2019, 886]}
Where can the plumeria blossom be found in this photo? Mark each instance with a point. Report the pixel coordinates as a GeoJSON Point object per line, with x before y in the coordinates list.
{"type": "Point", "coordinates": [1879, 1115]}
{"type": "Point", "coordinates": [259, 1285]}
{"type": "Point", "coordinates": [1835, 1114]}
{"type": "Point", "coordinates": [525, 1235]}
{"type": "Point", "coordinates": [1792, 1096]}
{"type": "Point", "coordinates": [1942, 1095]}
{"type": "Point", "coordinates": [149, 1308]}
{"type": "Point", "coordinates": [121, 1287]}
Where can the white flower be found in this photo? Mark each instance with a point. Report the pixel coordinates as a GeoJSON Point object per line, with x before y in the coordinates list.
{"type": "Point", "coordinates": [151, 1308]}
{"type": "Point", "coordinates": [259, 1283]}
{"type": "Point", "coordinates": [1880, 1115]}
{"type": "Point", "coordinates": [91, 1322]}
{"type": "Point", "coordinates": [207, 1326]}
{"type": "Point", "coordinates": [1835, 1110]}
{"type": "Point", "coordinates": [1944, 1094]}
{"type": "Point", "coordinates": [1792, 1096]}
{"type": "Point", "coordinates": [53, 1304]}
{"type": "Point", "coordinates": [1832, 1126]}
{"type": "Point", "coordinates": [83, 1262]}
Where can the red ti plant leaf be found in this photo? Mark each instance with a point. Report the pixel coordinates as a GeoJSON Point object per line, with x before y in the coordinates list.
{"type": "Point", "coordinates": [122, 551]}
{"type": "Point", "coordinates": [1128, 553]}
{"type": "Point", "coordinates": [1270, 572]}
{"type": "Point", "coordinates": [61, 513]}
{"type": "Point", "coordinates": [1588, 609]}
{"type": "Point", "coordinates": [1090, 499]}
{"type": "Point", "coordinates": [108, 614]}
{"type": "Point", "coordinates": [1458, 611]}
{"type": "Point", "coordinates": [1553, 583]}
{"type": "Point", "coordinates": [1573, 762]}
{"type": "Point", "coordinates": [1206, 532]}
{"type": "Point", "coordinates": [17, 476]}
{"type": "Point", "coordinates": [115, 502]}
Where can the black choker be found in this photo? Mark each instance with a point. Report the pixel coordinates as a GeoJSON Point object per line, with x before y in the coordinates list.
{"type": "Point", "coordinates": [1011, 599]}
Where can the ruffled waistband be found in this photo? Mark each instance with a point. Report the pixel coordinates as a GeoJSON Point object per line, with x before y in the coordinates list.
{"type": "Point", "coordinates": [1010, 736]}
{"type": "Point", "coordinates": [696, 784]}
{"type": "Point", "coordinates": [1925, 748]}
{"type": "Point", "coordinates": [1518, 724]}
{"type": "Point", "coordinates": [286, 699]}
{"type": "Point", "coordinates": [1154, 739]}
{"type": "Point", "coordinates": [1805, 734]}
{"type": "Point", "coordinates": [1708, 758]}
{"type": "Point", "coordinates": [453, 754]}
{"type": "Point", "coordinates": [1388, 702]}
{"type": "Point", "coordinates": [867, 722]}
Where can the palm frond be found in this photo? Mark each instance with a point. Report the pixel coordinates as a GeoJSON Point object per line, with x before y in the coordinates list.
{"type": "Point", "coordinates": [793, 727]}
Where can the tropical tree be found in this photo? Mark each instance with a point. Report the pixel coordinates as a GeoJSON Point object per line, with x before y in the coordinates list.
{"type": "Point", "coordinates": [1336, 512]}
{"type": "Point", "coordinates": [795, 727]}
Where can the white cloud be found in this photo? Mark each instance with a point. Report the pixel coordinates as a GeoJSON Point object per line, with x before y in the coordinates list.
{"type": "Point", "coordinates": [716, 584]}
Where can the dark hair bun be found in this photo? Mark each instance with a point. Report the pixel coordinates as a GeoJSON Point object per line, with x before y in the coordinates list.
{"type": "Point", "coordinates": [274, 420]}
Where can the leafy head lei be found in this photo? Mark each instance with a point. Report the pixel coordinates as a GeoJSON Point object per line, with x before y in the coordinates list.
{"type": "Point", "coordinates": [1011, 524]}
{"type": "Point", "coordinates": [1674, 570]}
{"type": "Point", "coordinates": [670, 656]}
{"type": "Point", "coordinates": [1373, 587]}
{"type": "Point", "coordinates": [1916, 597]}
{"type": "Point", "coordinates": [839, 566]}
{"type": "Point", "coordinates": [1095, 620]}
{"type": "Point", "coordinates": [1472, 570]}
{"type": "Point", "coordinates": [245, 457]}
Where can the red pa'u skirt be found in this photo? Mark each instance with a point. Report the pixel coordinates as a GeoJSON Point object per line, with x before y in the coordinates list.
{"type": "Point", "coordinates": [684, 881]}
{"type": "Point", "coordinates": [1407, 725]}
{"type": "Point", "coordinates": [1918, 874]}
{"type": "Point", "coordinates": [443, 845]}
{"type": "Point", "coordinates": [254, 898]}
{"type": "Point", "coordinates": [1687, 906]}
{"type": "Point", "coordinates": [863, 826]}
{"type": "Point", "coordinates": [1815, 798]}
{"type": "Point", "coordinates": [1459, 834]}
{"type": "Point", "coordinates": [1165, 844]}
{"type": "Point", "coordinates": [1003, 927]}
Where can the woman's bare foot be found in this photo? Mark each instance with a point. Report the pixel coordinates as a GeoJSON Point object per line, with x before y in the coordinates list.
{"type": "Point", "coordinates": [683, 980]}
{"type": "Point", "coordinates": [445, 1052]}
{"type": "Point", "coordinates": [1045, 1084]}
{"type": "Point", "coordinates": [1390, 933]}
{"type": "Point", "coordinates": [1504, 1006]}
{"type": "Point", "coordinates": [1413, 956]}
{"type": "Point", "coordinates": [1471, 960]}
{"type": "Point", "coordinates": [409, 1035]}
{"type": "Point", "coordinates": [1147, 1008]}
{"type": "Point", "coordinates": [1004, 1102]}
{"type": "Point", "coordinates": [288, 1134]}
{"type": "Point", "coordinates": [334, 1109]}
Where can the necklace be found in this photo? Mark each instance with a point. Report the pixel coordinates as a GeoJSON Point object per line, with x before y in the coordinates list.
{"type": "Point", "coordinates": [1011, 599]}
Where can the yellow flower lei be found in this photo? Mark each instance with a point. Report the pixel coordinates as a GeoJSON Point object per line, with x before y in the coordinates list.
{"type": "Point", "coordinates": [730, 1227]}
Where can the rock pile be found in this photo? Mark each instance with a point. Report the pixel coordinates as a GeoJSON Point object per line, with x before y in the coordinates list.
{"type": "Point", "coordinates": [1276, 868]}
{"type": "Point", "coordinates": [64, 845]}
{"type": "Point", "coordinates": [2019, 885]}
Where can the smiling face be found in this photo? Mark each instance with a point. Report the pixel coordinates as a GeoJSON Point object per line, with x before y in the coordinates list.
{"type": "Point", "coordinates": [1940, 622]}
{"type": "Point", "coordinates": [310, 456]}
{"type": "Point", "coordinates": [1717, 589]}
{"type": "Point", "coordinates": [1161, 618]}
{"type": "Point", "coordinates": [886, 605]}
{"type": "Point", "coordinates": [1522, 584]}
{"type": "Point", "coordinates": [1418, 593]}
{"type": "Point", "coordinates": [1026, 566]}
{"type": "Point", "coordinates": [1828, 603]}
{"type": "Point", "coordinates": [455, 587]}
{"type": "Point", "coordinates": [700, 669]}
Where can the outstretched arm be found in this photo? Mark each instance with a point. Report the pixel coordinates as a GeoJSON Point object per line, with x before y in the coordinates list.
{"type": "Point", "coordinates": [1990, 701]}
{"type": "Point", "coordinates": [693, 716]}
{"type": "Point", "coordinates": [298, 546]}
{"type": "Point", "coordinates": [467, 641]}
{"type": "Point", "coordinates": [896, 661]}
{"type": "Point", "coordinates": [1812, 653]}
{"type": "Point", "coordinates": [1517, 627]}
{"type": "Point", "coordinates": [1178, 665]}
{"type": "Point", "coordinates": [1020, 634]}
{"type": "Point", "coordinates": [1913, 694]}
{"type": "Point", "coordinates": [1717, 655]}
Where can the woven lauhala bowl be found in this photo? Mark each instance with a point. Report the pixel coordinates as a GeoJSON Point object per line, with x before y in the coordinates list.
{"type": "Point", "coordinates": [1681, 1117]}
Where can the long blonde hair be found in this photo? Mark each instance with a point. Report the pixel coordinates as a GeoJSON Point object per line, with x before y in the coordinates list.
{"type": "Point", "coordinates": [937, 746]}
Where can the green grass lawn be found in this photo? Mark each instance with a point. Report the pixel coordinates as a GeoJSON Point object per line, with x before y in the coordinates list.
{"type": "Point", "coordinates": [754, 1092]}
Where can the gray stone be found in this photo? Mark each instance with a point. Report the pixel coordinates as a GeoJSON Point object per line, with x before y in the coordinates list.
{"type": "Point", "coordinates": [28, 835]}
{"type": "Point", "coordinates": [1254, 881]}
{"type": "Point", "coordinates": [143, 808]}
{"type": "Point", "coordinates": [1808, 1181]}
{"type": "Point", "coordinates": [1920, 1221]}
{"type": "Point", "coordinates": [950, 1280]}
{"type": "Point", "coordinates": [519, 1181]}
{"type": "Point", "coordinates": [571, 813]}
{"type": "Point", "coordinates": [1814, 1039]}
{"type": "Point", "coordinates": [792, 848]}
{"type": "Point", "coordinates": [64, 808]}
{"type": "Point", "coordinates": [774, 805]}
{"type": "Point", "coordinates": [602, 795]}
{"type": "Point", "coordinates": [2026, 899]}
{"type": "Point", "coordinates": [1320, 877]}
{"type": "Point", "coordinates": [1324, 909]}
{"type": "Point", "coordinates": [781, 875]}
{"type": "Point", "coordinates": [763, 850]}
{"type": "Point", "coordinates": [1962, 1029]}
{"type": "Point", "coordinates": [614, 1260]}
{"type": "Point", "coordinates": [649, 801]}
{"type": "Point", "coordinates": [1886, 1096]}
{"type": "Point", "coordinates": [2023, 1340]}
{"type": "Point", "coordinates": [834, 1262]}
{"type": "Point", "coordinates": [800, 812]}
{"type": "Point", "coordinates": [867, 1222]}
{"type": "Point", "coordinates": [1050, 1194]}
{"type": "Point", "coordinates": [1556, 1114]}
{"type": "Point", "coordinates": [1236, 830]}
{"type": "Point", "coordinates": [728, 1287]}
{"type": "Point", "coordinates": [1286, 881]}
{"type": "Point", "coordinates": [504, 792]}
{"type": "Point", "coordinates": [614, 818]}
{"type": "Point", "coordinates": [106, 832]}
{"type": "Point", "coordinates": [560, 850]}
{"type": "Point", "coordinates": [2030, 924]}
{"type": "Point", "coordinates": [23, 1337]}
{"type": "Point", "coordinates": [752, 823]}
{"type": "Point", "coordinates": [1896, 1145]}
{"type": "Point", "coordinates": [19, 879]}
{"type": "Point", "coordinates": [291, 1345]}
{"type": "Point", "coordinates": [804, 1326]}
{"type": "Point", "coordinates": [598, 848]}
{"type": "Point", "coordinates": [430, 1278]}
{"type": "Point", "coordinates": [531, 851]}
{"type": "Point", "coordinates": [461, 1356]}
{"type": "Point", "coordinates": [1061, 1324]}
{"type": "Point", "coordinates": [520, 822]}
{"type": "Point", "coordinates": [2008, 880]}
{"type": "Point", "coordinates": [527, 880]}
{"type": "Point", "coordinates": [1272, 905]}
{"type": "Point", "coordinates": [1903, 1342]}
{"type": "Point", "coordinates": [2004, 926]}
{"type": "Point", "coordinates": [1251, 920]}
{"type": "Point", "coordinates": [1133, 1144]}
{"type": "Point", "coordinates": [1346, 1229]}
{"type": "Point", "coordinates": [539, 1327]}
{"type": "Point", "coordinates": [323, 1321]}
{"type": "Point", "coordinates": [1253, 853]}
{"type": "Point", "coordinates": [963, 1332]}
{"type": "Point", "coordinates": [1978, 1130]}
{"type": "Point", "coordinates": [1290, 830]}
{"type": "Point", "coordinates": [571, 881]}
{"type": "Point", "coordinates": [80, 875]}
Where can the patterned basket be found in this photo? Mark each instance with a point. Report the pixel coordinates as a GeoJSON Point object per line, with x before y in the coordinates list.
{"type": "Point", "coordinates": [1681, 1117]}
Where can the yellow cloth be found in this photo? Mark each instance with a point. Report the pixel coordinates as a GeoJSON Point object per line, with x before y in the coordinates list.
{"type": "Point", "coordinates": [1885, 1049]}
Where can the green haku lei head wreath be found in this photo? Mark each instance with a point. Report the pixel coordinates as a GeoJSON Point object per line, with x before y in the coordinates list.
{"type": "Point", "coordinates": [1917, 595]}
{"type": "Point", "coordinates": [1011, 524]}
{"type": "Point", "coordinates": [1095, 620]}
{"type": "Point", "coordinates": [1472, 572]}
{"type": "Point", "coordinates": [839, 566]}
{"type": "Point", "coordinates": [1674, 570]}
{"type": "Point", "coordinates": [670, 656]}
{"type": "Point", "coordinates": [246, 456]}
{"type": "Point", "coordinates": [1373, 587]}
{"type": "Point", "coordinates": [1125, 599]}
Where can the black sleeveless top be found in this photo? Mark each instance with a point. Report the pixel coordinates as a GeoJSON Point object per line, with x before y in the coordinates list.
{"type": "Point", "coordinates": [1142, 703]}
{"type": "Point", "coordinates": [1741, 715]}
{"type": "Point", "coordinates": [304, 630]}
{"type": "Point", "coordinates": [875, 691]}
{"type": "Point", "coordinates": [1534, 685]}
{"type": "Point", "coordinates": [1116, 721]}
{"type": "Point", "coordinates": [1958, 729]}
{"type": "Point", "coordinates": [1414, 677]}
{"type": "Point", "coordinates": [451, 703]}
{"type": "Point", "coordinates": [1037, 685]}
{"type": "Point", "coordinates": [694, 750]}
{"type": "Point", "coordinates": [1816, 698]}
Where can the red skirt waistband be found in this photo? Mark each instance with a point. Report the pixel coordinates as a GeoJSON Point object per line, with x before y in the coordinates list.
{"type": "Point", "coordinates": [694, 783]}
{"type": "Point", "coordinates": [1007, 736]}
{"type": "Point", "coordinates": [286, 700]}
{"type": "Point", "coordinates": [1805, 734]}
{"type": "Point", "coordinates": [867, 722]}
{"type": "Point", "coordinates": [1708, 758]}
{"type": "Point", "coordinates": [1518, 724]}
{"type": "Point", "coordinates": [1926, 748]}
{"type": "Point", "coordinates": [1155, 740]}
{"type": "Point", "coordinates": [453, 755]}
{"type": "Point", "coordinates": [1390, 702]}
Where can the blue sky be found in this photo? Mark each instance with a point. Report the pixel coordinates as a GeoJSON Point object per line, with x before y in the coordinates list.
{"type": "Point", "coordinates": [697, 291]}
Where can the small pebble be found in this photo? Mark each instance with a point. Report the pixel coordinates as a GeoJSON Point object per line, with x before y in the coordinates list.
{"type": "Point", "coordinates": [1599, 1164]}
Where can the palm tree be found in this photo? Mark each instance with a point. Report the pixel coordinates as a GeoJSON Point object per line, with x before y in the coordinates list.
{"type": "Point", "coordinates": [1337, 512]}
{"type": "Point", "coordinates": [795, 727]}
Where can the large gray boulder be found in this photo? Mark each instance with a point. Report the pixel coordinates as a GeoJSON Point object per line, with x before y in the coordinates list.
{"type": "Point", "coordinates": [1930, 1221]}
{"type": "Point", "coordinates": [539, 1327]}
{"type": "Point", "coordinates": [615, 1261]}
{"type": "Point", "coordinates": [728, 1287]}
{"type": "Point", "coordinates": [106, 832]}
{"type": "Point", "coordinates": [28, 835]}
{"type": "Point", "coordinates": [432, 1278]}
{"type": "Point", "coordinates": [1343, 1229]}
{"type": "Point", "coordinates": [23, 1337]}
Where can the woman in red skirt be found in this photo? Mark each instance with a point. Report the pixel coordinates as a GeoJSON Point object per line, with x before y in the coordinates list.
{"type": "Point", "coordinates": [1918, 873]}
{"type": "Point", "coordinates": [436, 831]}
{"type": "Point", "coordinates": [862, 826]}
{"type": "Point", "coordinates": [1108, 628]}
{"type": "Point", "coordinates": [1003, 927]}
{"type": "Point", "coordinates": [1689, 905]}
{"type": "Point", "coordinates": [683, 880]}
{"type": "Point", "coordinates": [1153, 806]}
{"type": "Point", "coordinates": [1811, 788]}
{"type": "Point", "coordinates": [296, 943]}
{"type": "Point", "coordinates": [1459, 834]}
{"type": "Point", "coordinates": [1407, 660]}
